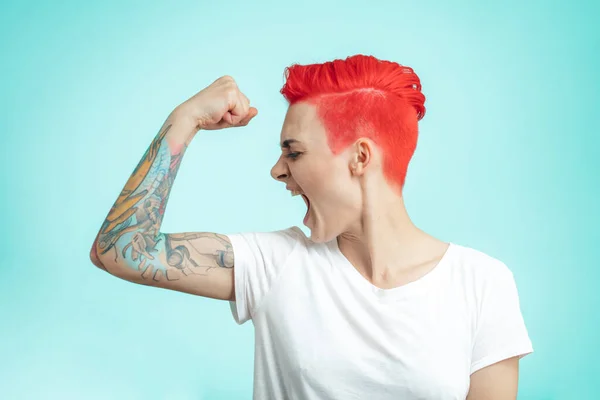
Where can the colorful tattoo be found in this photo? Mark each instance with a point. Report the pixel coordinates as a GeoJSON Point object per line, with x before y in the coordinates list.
{"type": "Point", "coordinates": [132, 228]}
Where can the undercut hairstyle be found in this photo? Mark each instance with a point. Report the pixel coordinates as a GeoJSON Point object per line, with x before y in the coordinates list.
{"type": "Point", "coordinates": [363, 96]}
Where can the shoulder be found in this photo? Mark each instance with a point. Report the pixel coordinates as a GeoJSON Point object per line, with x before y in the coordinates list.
{"type": "Point", "coordinates": [290, 234]}
{"type": "Point", "coordinates": [491, 288]}
{"type": "Point", "coordinates": [293, 236]}
{"type": "Point", "coordinates": [296, 233]}
{"type": "Point", "coordinates": [265, 245]}
{"type": "Point", "coordinates": [480, 264]}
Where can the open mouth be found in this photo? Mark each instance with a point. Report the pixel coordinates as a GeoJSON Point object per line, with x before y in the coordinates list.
{"type": "Point", "coordinates": [306, 201]}
{"type": "Point", "coordinates": [307, 207]}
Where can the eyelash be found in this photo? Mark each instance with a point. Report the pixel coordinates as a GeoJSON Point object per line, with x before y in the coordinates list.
{"type": "Point", "coordinates": [293, 156]}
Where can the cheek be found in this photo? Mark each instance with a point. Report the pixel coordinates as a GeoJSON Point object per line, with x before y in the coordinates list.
{"type": "Point", "coordinates": [337, 195]}
{"type": "Point", "coordinates": [315, 179]}
{"type": "Point", "coordinates": [328, 185]}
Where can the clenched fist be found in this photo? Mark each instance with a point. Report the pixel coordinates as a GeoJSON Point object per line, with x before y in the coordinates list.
{"type": "Point", "coordinates": [219, 105]}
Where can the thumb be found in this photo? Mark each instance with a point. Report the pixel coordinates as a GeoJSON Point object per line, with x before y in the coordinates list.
{"type": "Point", "coordinates": [228, 118]}
{"type": "Point", "coordinates": [252, 112]}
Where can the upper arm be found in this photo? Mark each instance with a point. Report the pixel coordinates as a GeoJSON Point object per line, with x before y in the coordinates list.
{"type": "Point", "coordinates": [199, 263]}
{"type": "Point", "coordinates": [498, 381]}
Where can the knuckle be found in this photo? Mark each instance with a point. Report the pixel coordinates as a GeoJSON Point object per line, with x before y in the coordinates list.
{"type": "Point", "coordinates": [228, 80]}
{"type": "Point", "coordinates": [231, 94]}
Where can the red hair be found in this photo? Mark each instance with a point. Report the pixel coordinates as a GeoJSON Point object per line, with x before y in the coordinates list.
{"type": "Point", "coordinates": [362, 96]}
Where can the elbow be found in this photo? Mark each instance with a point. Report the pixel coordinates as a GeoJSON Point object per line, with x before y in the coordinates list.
{"type": "Point", "coordinates": [105, 263]}
{"type": "Point", "coordinates": [95, 258]}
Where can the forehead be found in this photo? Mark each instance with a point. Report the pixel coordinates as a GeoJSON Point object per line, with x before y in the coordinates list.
{"type": "Point", "coordinates": [302, 123]}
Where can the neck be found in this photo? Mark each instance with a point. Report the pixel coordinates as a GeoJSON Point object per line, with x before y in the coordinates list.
{"type": "Point", "coordinates": [385, 243]}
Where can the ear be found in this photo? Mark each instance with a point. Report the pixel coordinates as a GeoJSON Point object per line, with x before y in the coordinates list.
{"type": "Point", "coordinates": [361, 156]}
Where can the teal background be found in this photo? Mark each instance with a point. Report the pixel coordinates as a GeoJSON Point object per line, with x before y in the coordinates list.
{"type": "Point", "coordinates": [507, 163]}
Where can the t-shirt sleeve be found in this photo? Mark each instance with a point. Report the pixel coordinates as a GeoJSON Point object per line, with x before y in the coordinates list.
{"type": "Point", "coordinates": [259, 257]}
{"type": "Point", "coordinates": [500, 329]}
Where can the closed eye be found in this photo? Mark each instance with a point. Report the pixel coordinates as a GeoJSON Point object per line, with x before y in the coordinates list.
{"type": "Point", "coordinates": [293, 155]}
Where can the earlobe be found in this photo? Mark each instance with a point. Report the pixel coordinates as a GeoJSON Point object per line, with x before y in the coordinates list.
{"type": "Point", "coordinates": [352, 168]}
{"type": "Point", "coordinates": [356, 169]}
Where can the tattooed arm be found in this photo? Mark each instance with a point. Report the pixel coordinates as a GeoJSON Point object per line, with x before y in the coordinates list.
{"type": "Point", "coordinates": [130, 244]}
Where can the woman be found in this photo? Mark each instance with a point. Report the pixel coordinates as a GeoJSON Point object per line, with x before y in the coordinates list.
{"type": "Point", "coordinates": [369, 306]}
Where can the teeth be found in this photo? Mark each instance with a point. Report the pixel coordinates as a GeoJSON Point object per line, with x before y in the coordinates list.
{"type": "Point", "coordinates": [295, 193]}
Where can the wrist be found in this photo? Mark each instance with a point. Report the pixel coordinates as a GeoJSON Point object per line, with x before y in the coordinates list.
{"type": "Point", "coordinates": [182, 129]}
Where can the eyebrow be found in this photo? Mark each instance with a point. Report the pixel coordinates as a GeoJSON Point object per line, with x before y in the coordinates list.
{"type": "Point", "coordinates": [286, 143]}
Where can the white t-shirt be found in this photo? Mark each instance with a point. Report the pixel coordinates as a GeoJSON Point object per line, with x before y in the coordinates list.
{"type": "Point", "coordinates": [322, 331]}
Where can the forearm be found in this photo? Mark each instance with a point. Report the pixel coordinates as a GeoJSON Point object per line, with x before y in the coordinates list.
{"type": "Point", "coordinates": [131, 230]}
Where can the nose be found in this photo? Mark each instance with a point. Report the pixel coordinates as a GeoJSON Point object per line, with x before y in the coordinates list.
{"type": "Point", "coordinates": [280, 171]}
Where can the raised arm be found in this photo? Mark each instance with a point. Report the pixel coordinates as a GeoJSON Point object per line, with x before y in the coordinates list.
{"type": "Point", "coordinates": [130, 244]}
